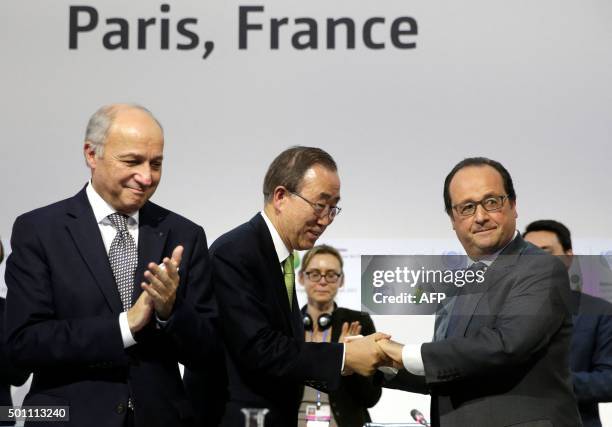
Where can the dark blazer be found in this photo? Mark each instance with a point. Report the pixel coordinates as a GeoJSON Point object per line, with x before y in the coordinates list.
{"type": "Point", "coordinates": [591, 355]}
{"type": "Point", "coordinates": [267, 358]}
{"type": "Point", "coordinates": [507, 362]}
{"type": "Point", "coordinates": [356, 393]}
{"type": "Point", "coordinates": [62, 317]}
{"type": "Point", "coordinates": [9, 375]}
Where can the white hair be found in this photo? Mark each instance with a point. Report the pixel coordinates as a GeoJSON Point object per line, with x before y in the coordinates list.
{"type": "Point", "coordinates": [101, 121]}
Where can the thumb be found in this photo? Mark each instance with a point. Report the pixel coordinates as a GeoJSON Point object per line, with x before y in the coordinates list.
{"type": "Point", "coordinates": [177, 255]}
{"type": "Point", "coordinates": [380, 336]}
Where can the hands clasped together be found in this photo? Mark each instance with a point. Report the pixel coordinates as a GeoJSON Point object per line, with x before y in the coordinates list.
{"type": "Point", "coordinates": [363, 355]}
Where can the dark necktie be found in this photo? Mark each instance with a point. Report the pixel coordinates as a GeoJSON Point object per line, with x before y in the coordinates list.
{"type": "Point", "coordinates": [445, 323]}
{"type": "Point", "coordinates": [123, 258]}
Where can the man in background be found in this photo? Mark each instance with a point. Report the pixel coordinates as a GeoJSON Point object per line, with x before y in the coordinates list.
{"type": "Point", "coordinates": [591, 345]}
{"type": "Point", "coordinates": [500, 352]}
{"type": "Point", "coordinates": [107, 291]}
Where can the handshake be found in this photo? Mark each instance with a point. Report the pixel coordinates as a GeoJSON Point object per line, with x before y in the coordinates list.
{"type": "Point", "coordinates": [364, 354]}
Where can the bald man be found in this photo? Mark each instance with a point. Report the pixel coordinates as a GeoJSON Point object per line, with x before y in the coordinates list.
{"type": "Point", "coordinates": [107, 291]}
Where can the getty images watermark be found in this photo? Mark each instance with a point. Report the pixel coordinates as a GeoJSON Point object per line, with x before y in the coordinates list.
{"type": "Point", "coordinates": [423, 284]}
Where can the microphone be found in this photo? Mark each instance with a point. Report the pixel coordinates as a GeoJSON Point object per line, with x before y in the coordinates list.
{"type": "Point", "coordinates": [418, 417]}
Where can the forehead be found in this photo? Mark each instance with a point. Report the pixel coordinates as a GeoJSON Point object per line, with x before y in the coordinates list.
{"type": "Point", "coordinates": [543, 238]}
{"type": "Point", "coordinates": [319, 181]}
{"type": "Point", "coordinates": [474, 183]}
{"type": "Point", "coordinates": [134, 129]}
{"type": "Point", "coordinates": [323, 262]}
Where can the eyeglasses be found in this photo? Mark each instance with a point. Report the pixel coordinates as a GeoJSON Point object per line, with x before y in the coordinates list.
{"type": "Point", "coordinates": [330, 276]}
{"type": "Point", "coordinates": [490, 204]}
{"type": "Point", "coordinates": [321, 209]}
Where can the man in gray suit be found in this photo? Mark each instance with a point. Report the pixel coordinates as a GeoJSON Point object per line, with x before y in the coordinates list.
{"type": "Point", "coordinates": [500, 353]}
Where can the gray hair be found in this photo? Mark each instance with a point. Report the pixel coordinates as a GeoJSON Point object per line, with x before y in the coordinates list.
{"type": "Point", "coordinates": [101, 121]}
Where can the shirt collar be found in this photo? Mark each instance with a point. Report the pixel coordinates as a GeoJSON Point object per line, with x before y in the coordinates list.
{"type": "Point", "coordinates": [102, 210]}
{"type": "Point", "coordinates": [279, 246]}
{"type": "Point", "coordinates": [488, 260]}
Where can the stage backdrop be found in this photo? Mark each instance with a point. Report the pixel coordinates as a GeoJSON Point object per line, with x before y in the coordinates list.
{"type": "Point", "coordinates": [397, 91]}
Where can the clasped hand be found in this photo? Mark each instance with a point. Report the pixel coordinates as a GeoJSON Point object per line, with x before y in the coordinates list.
{"type": "Point", "coordinates": [159, 294]}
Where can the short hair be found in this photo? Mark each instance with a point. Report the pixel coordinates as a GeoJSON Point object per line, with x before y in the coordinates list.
{"type": "Point", "coordinates": [101, 121]}
{"type": "Point", "coordinates": [1, 252]}
{"type": "Point", "coordinates": [289, 167]}
{"type": "Point", "coordinates": [320, 250]}
{"type": "Point", "coordinates": [560, 230]}
{"type": "Point", "coordinates": [478, 161]}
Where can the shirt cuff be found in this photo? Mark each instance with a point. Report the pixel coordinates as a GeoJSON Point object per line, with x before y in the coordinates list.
{"type": "Point", "coordinates": [389, 372]}
{"type": "Point", "coordinates": [412, 360]}
{"type": "Point", "coordinates": [126, 334]}
{"type": "Point", "coordinates": [343, 355]}
{"type": "Point", "coordinates": [161, 324]}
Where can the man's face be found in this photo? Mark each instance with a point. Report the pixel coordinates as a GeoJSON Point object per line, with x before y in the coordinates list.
{"type": "Point", "coordinates": [548, 241]}
{"type": "Point", "coordinates": [129, 170]}
{"type": "Point", "coordinates": [300, 226]}
{"type": "Point", "coordinates": [483, 233]}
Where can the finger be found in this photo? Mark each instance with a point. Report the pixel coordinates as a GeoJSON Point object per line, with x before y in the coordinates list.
{"type": "Point", "coordinates": [358, 329]}
{"type": "Point", "coordinates": [159, 286]}
{"type": "Point", "coordinates": [153, 294]}
{"type": "Point", "coordinates": [345, 328]}
{"type": "Point", "coordinates": [177, 255]}
{"type": "Point", "coordinates": [159, 272]}
{"type": "Point", "coordinates": [379, 336]}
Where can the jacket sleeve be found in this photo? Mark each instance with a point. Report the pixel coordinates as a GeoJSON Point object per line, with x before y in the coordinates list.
{"type": "Point", "coordinates": [364, 390]}
{"type": "Point", "coordinates": [253, 342]}
{"type": "Point", "coordinates": [595, 385]}
{"type": "Point", "coordinates": [533, 310]}
{"type": "Point", "coordinates": [192, 328]}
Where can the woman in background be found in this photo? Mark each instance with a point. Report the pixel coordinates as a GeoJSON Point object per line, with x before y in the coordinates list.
{"type": "Point", "coordinates": [321, 275]}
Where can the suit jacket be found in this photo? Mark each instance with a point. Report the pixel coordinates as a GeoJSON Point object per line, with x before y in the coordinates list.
{"type": "Point", "coordinates": [591, 355]}
{"type": "Point", "coordinates": [267, 358]}
{"type": "Point", "coordinates": [9, 375]}
{"type": "Point", "coordinates": [356, 393]}
{"type": "Point", "coordinates": [507, 362]}
{"type": "Point", "coordinates": [63, 308]}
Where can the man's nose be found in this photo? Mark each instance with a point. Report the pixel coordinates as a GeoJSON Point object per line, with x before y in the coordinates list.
{"type": "Point", "coordinates": [143, 175]}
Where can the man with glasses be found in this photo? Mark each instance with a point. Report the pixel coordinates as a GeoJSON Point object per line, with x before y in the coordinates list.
{"type": "Point", "coordinates": [500, 351]}
{"type": "Point", "coordinates": [267, 359]}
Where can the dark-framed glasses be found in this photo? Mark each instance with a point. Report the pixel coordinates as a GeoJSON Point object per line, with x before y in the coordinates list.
{"type": "Point", "coordinates": [330, 276]}
{"type": "Point", "coordinates": [321, 209]}
{"type": "Point", "coordinates": [489, 204]}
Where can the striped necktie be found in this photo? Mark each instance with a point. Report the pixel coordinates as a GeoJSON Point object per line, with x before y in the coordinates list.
{"type": "Point", "coordinates": [289, 278]}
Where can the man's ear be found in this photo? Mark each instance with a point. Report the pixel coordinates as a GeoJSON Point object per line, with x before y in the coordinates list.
{"type": "Point", "coordinates": [90, 155]}
{"type": "Point", "coordinates": [279, 197]}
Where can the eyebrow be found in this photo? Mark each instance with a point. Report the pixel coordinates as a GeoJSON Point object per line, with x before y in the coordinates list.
{"type": "Point", "coordinates": [327, 196]}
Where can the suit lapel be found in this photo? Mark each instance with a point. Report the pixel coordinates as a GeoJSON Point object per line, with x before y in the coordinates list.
{"type": "Point", "coordinates": [277, 281]}
{"type": "Point", "coordinates": [86, 235]}
{"type": "Point", "coordinates": [152, 236]}
{"type": "Point", "coordinates": [494, 274]}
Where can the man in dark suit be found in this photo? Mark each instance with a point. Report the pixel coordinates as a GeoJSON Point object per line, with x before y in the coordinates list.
{"type": "Point", "coordinates": [89, 310]}
{"type": "Point", "coordinates": [9, 375]}
{"type": "Point", "coordinates": [500, 356]}
{"type": "Point", "coordinates": [591, 345]}
{"type": "Point", "coordinates": [253, 271]}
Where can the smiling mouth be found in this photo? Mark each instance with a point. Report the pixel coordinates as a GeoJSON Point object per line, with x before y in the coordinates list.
{"type": "Point", "coordinates": [484, 231]}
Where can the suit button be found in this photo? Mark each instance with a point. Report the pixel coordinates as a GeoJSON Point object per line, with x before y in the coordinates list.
{"type": "Point", "coordinates": [120, 409]}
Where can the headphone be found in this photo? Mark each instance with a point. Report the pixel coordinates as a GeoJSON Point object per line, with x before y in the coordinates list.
{"type": "Point", "coordinates": [324, 321]}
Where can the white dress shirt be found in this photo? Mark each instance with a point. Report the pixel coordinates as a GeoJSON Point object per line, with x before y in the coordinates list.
{"type": "Point", "coordinates": [101, 211]}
